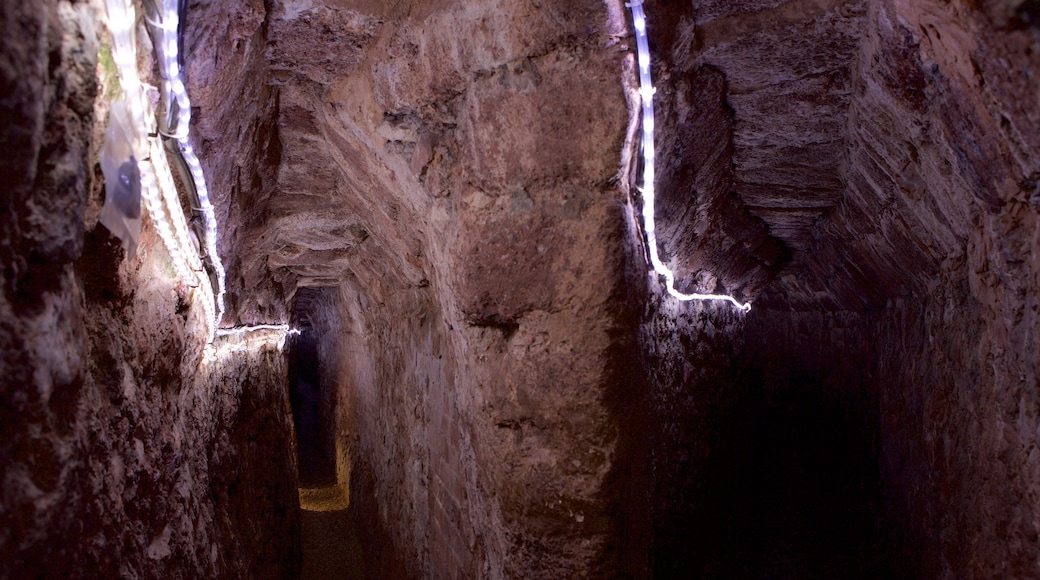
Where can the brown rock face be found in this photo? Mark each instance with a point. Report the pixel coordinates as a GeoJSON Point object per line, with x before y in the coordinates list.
{"type": "Point", "coordinates": [453, 180]}
{"type": "Point", "coordinates": [448, 177]}
{"type": "Point", "coordinates": [891, 148]}
{"type": "Point", "coordinates": [442, 192]}
{"type": "Point", "coordinates": [122, 452]}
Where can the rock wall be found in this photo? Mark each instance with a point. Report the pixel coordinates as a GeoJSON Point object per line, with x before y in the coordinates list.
{"type": "Point", "coordinates": [682, 421]}
{"type": "Point", "coordinates": [960, 460]}
{"type": "Point", "coordinates": [449, 176]}
{"type": "Point", "coordinates": [946, 146]}
{"type": "Point", "coordinates": [123, 452]}
{"type": "Point", "coordinates": [940, 392]}
{"type": "Point", "coordinates": [891, 147]}
{"type": "Point", "coordinates": [235, 125]}
{"type": "Point", "coordinates": [501, 401]}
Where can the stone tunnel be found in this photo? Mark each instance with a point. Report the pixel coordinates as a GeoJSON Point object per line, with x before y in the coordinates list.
{"type": "Point", "coordinates": [442, 348]}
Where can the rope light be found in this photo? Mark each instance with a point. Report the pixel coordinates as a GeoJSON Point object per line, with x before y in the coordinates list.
{"type": "Point", "coordinates": [244, 329]}
{"type": "Point", "coordinates": [247, 338]}
{"type": "Point", "coordinates": [150, 192]}
{"type": "Point", "coordinates": [168, 189]}
{"type": "Point", "coordinates": [646, 94]}
{"type": "Point", "coordinates": [178, 121]}
{"type": "Point", "coordinates": [156, 183]}
{"type": "Point", "coordinates": [158, 190]}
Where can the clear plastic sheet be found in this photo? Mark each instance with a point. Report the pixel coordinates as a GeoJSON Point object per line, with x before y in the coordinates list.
{"type": "Point", "coordinates": [121, 213]}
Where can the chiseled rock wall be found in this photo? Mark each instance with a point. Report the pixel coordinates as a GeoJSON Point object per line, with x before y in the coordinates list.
{"type": "Point", "coordinates": [466, 205]}
{"type": "Point", "coordinates": [682, 421]}
{"type": "Point", "coordinates": [892, 147]}
{"type": "Point", "coordinates": [943, 196]}
{"type": "Point", "coordinates": [120, 454]}
{"type": "Point", "coordinates": [235, 131]}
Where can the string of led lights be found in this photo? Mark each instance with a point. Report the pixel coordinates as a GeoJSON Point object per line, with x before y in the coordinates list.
{"type": "Point", "coordinates": [150, 193]}
{"type": "Point", "coordinates": [158, 189]}
{"type": "Point", "coordinates": [250, 339]}
{"type": "Point", "coordinates": [156, 182]}
{"type": "Point", "coordinates": [244, 329]}
{"type": "Point", "coordinates": [178, 121]}
{"type": "Point", "coordinates": [646, 93]}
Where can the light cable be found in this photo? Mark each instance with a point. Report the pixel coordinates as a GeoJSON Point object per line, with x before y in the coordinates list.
{"type": "Point", "coordinates": [646, 94]}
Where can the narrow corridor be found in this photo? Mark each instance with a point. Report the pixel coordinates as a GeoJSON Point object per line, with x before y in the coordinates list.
{"type": "Point", "coordinates": [331, 544]}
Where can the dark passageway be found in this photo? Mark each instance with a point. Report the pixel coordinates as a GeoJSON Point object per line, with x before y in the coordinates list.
{"type": "Point", "coordinates": [317, 466]}
{"type": "Point", "coordinates": [774, 472]}
{"type": "Point", "coordinates": [331, 544]}
{"type": "Point", "coordinates": [797, 494]}
{"type": "Point", "coordinates": [805, 452]}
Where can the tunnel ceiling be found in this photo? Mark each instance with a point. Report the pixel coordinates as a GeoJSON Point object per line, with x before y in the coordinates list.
{"type": "Point", "coordinates": [857, 135]}
{"type": "Point", "coordinates": [789, 72]}
{"type": "Point", "coordinates": [853, 136]}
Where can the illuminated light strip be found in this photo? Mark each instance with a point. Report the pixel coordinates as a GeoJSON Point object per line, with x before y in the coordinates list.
{"type": "Point", "coordinates": [244, 329]}
{"type": "Point", "coordinates": [173, 205]}
{"type": "Point", "coordinates": [122, 24]}
{"type": "Point", "coordinates": [646, 94]}
{"type": "Point", "coordinates": [210, 219]}
{"type": "Point", "coordinates": [173, 82]}
{"type": "Point", "coordinates": [254, 338]}
{"type": "Point", "coordinates": [150, 193]}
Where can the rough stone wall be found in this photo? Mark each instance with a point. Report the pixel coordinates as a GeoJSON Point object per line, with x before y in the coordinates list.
{"type": "Point", "coordinates": [912, 213]}
{"type": "Point", "coordinates": [941, 392]}
{"type": "Point", "coordinates": [455, 178]}
{"type": "Point", "coordinates": [682, 417]}
{"type": "Point", "coordinates": [942, 129]}
{"type": "Point", "coordinates": [122, 453]}
{"type": "Point", "coordinates": [251, 463]}
{"type": "Point", "coordinates": [235, 130]}
{"type": "Point", "coordinates": [959, 407]}
{"type": "Point", "coordinates": [811, 453]}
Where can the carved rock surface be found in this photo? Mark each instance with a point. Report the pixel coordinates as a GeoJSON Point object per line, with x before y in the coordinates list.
{"type": "Point", "coordinates": [122, 453]}
{"type": "Point", "coordinates": [442, 192]}
{"type": "Point", "coordinates": [448, 178]}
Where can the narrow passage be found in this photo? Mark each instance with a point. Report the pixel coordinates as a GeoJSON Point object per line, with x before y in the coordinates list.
{"type": "Point", "coordinates": [331, 543]}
